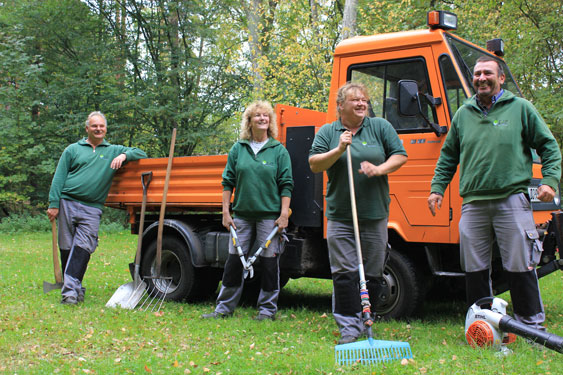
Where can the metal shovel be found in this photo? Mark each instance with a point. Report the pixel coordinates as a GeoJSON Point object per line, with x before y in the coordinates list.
{"type": "Point", "coordinates": [128, 295]}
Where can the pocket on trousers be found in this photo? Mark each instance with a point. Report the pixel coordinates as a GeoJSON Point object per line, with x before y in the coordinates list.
{"type": "Point", "coordinates": [536, 247]}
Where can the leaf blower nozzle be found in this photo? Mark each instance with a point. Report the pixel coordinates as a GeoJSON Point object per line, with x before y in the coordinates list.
{"type": "Point", "coordinates": [490, 327]}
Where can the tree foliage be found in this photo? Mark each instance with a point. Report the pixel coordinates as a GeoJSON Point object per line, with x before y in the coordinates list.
{"type": "Point", "coordinates": [152, 65]}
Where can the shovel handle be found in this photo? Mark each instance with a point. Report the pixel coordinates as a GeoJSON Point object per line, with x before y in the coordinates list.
{"type": "Point", "coordinates": [146, 178]}
{"type": "Point", "coordinates": [163, 204]}
{"type": "Point", "coordinates": [56, 263]}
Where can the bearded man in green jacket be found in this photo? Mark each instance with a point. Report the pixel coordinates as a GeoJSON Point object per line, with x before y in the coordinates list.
{"type": "Point", "coordinates": [78, 192]}
{"type": "Point", "coordinates": [491, 139]}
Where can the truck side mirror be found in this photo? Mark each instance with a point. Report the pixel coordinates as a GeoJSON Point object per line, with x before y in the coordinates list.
{"type": "Point", "coordinates": [408, 97]}
{"type": "Point", "coordinates": [409, 104]}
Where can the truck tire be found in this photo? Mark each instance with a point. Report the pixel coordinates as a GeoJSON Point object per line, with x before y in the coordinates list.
{"type": "Point", "coordinates": [187, 282]}
{"type": "Point", "coordinates": [404, 295]}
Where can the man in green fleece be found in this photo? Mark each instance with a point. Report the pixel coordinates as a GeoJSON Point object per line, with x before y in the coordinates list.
{"type": "Point", "coordinates": [491, 138]}
{"type": "Point", "coordinates": [78, 192]}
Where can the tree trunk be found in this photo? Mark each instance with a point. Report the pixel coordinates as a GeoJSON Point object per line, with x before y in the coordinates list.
{"type": "Point", "coordinates": [349, 19]}
{"type": "Point", "coordinates": [254, 12]}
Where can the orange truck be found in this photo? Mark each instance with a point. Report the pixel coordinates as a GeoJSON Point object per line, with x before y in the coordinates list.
{"type": "Point", "coordinates": [416, 80]}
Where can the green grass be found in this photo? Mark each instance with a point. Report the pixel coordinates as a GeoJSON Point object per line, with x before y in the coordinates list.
{"type": "Point", "coordinates": [38, 335]}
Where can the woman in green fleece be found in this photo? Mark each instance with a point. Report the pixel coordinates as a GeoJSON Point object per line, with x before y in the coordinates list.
{"type": "Point", "coordinates": [259, 171]}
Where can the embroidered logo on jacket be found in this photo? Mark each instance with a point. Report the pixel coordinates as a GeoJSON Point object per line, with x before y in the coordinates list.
{"type": "Point", "coordinates": [500, 123]}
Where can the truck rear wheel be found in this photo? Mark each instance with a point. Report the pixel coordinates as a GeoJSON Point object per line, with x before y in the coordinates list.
{"type": "Point", "coordinates": [402, 291]}
{"type": "Point", "coordinates": [187, 281]}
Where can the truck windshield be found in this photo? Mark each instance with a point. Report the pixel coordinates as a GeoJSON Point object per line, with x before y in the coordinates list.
{"type": "Point", "coordinates": [466, 55]}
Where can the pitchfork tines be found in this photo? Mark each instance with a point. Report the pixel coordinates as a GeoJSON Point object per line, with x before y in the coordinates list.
{"type": "Point", "coordinates": [153, 299]}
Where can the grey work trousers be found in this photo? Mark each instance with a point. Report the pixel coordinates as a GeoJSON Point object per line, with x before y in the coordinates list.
{"type": "Point", "coordinates": [344, 260]}
{"type": "Point", "coordinates": [251, 235]}
{"type": "Point", "coordinates": [78, 226]}
{"type": "Point", "coordinates": [511, 222]}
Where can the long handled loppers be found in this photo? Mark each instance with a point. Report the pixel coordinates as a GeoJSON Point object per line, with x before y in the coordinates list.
{"type": "Point", "coordinates": [247, 264]}
{"type": "Point", "coordinates": [368, 351]}
{"type": "Point", "coordinates": [236, 244]}
{"type": "Point", "coordinates": [248, 269]}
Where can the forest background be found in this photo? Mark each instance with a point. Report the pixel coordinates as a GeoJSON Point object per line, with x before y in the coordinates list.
{"type": "Point", "coordinates": [153, 65]}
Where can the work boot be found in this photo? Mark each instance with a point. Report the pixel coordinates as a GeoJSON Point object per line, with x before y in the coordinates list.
{"type": "Point", "coordinates": [347, 339]}
{"type": "Point", "coordinates": [216, 315]}
{"type": "Point", "coordinates": [81, 295]}
{"type": "Point", "coordinates": [262, 317]}
{"type": "Point", "coordinates": [69, 300]}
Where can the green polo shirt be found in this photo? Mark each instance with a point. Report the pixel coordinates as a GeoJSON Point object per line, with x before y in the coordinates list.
{"type": "Point", "coordinates": [375, 141]}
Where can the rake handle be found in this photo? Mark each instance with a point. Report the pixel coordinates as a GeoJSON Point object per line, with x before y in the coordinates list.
{"type": "Point", "coordinates": [355, 214]}
{"type": "Point", "coordinates": [163, 204]}
{"type": "Point", "coordinates": [364, 296]}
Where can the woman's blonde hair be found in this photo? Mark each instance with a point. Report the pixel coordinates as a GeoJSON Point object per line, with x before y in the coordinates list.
{"type": "Point", "coordinates": [344, 90]}
{"type": "Point", "coordinates": [251, 109]}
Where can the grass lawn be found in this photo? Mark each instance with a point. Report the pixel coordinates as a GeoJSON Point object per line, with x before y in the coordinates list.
{"type": "Point", "coordinates": [38, 335]}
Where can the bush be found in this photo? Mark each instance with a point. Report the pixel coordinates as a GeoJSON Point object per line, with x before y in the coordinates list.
{"type": "Point", "coordinates": [25, 223]}
{"type": "Point", "coordinates": [112, 221]}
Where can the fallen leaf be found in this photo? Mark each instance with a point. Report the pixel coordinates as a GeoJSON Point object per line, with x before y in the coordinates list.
{"type": "Point", "coordinates": [117, 360]}
{"type": "Point", "coordinates": [324, 316]}
{"type": "Point", "coordinates": [205, 369]}
{"type": "Point", "coordinates": [159, 313]}
{"type": "Point", "coordinates": [404, 361]}
{"type": "Point", "coordinates": [176, 364]}
{"type": "Point", "coordinates": [442, 361]}
{"type": "Point", "coordinates": [444, 343]}
{"type": "Point", "coordinates": [539, 363]}
{"type": "Point", "coordinates": [187, 371]}
{"type": "Point", "coordinates": [252, 346]}
{"type": "Point", "coordinates": [147, 369]}
{"type": "Point", "coordinates": [454, 357]}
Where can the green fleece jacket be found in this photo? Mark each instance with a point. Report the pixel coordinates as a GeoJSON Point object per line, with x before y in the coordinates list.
{"type": "Point", "coordinates": [494, 150]}
{"type": "Point", "coordinates": [84, 174]}
{"type": "Point", "coordinates": [259, 181]}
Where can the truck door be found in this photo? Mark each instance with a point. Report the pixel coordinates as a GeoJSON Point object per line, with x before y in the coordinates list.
{"type": "Point", "coordinates": [410, 185]}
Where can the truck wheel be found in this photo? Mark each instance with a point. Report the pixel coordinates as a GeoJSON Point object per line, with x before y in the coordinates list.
{"type": "Point", "coordinates": [187, 282]}
{"type": "Point", "coordinates": [402, 291]}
